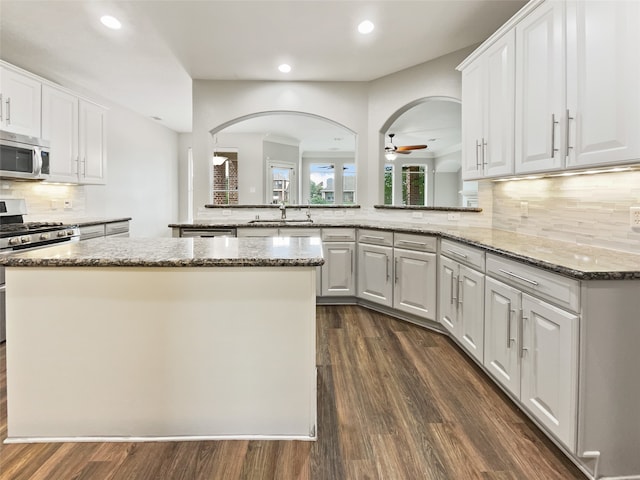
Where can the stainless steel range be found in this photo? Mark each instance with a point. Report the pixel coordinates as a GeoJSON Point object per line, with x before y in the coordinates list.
{"type": "Point", "coordinates": [17, 235]}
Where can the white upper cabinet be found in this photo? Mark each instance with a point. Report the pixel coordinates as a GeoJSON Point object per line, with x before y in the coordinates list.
{"type": "Point", "coordinates": [60, 128]}
{"type": "Point", "coordinates": [573, 90]}
{"type": "Point", "coordinates": [487, 111]}
{"type": "Point", "coordinates": [577, 77]}
{"type": "Point", "coordinates": [540, 89]}
{"type": "Point", "coordinates": [603, 82]}
{"type": "Point", "coordinates": [93, 145]}
{"type": "Point", "coordinates": [20, 103]}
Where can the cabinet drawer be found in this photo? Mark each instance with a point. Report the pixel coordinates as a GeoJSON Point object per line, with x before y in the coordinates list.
{"type": "Point", "coordinates": [257, 232]}
{"type": "Point", "coordinates": [471, 256]}
{"type": "Point", "coordinates": [299, 232]}
{"type": "Point", "coordinates": [339, 234]}
{"type": "Point", "coordinates": [410, 241]}
{"type": "Point", "coordinates": [117, 228]}
{"type": "Point", "coordinates": [91, 231]}
{"type": "Point", "coordinates": [562, 291]}
{"type": "Point", "coordinates": [375, 237]}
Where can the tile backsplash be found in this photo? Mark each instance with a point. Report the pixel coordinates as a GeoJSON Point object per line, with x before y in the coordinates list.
{"type": "Point", "coordinates": [46, 201]}
{"type": "Point", "coordinates": [584, 209]}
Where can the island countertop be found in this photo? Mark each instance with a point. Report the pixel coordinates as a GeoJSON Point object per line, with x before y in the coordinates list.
{"type": "Point", "coordinates": [175, 252]}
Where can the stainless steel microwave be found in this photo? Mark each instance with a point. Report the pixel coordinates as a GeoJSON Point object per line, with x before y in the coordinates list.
{"type": "Point", "coordinates": [23, 158]}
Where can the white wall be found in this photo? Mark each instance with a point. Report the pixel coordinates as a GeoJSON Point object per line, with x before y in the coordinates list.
{"type": "Point", "coordinates": [363, 107]}
{"type": "Point", "coordinates": [389, 95]}
{"type": "Point", "coordinates": [142, 175]}
{"type": "Point", "coordinates": [218, 102]}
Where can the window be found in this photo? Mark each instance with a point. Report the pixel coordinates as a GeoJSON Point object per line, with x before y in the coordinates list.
{"type": "Point", "coordinates": [322, 183]}
{"type": "Point", "coordinates": [414, 184]}
{"type": "Point", "coordinates": [280, 185]}
{"type": "Point", "coordinates": [388, 184]}
{"type": "Point", "coordinates": [225, 179]}
{"type": "Point", "coordinates": [349, 183]}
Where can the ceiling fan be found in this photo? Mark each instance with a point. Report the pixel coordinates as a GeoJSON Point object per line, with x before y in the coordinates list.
{"type": "Point", "coordinates": [391, 150]}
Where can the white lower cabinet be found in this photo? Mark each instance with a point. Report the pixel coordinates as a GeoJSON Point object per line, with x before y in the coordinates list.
{"type": "Point", "coordinates": [375, 270]}
{"type": "Point", "coordinates": [415, 282]}
{"type": "Point", "coordinates": [462, 305]}
{"type": "Point", "coordinates": [531, 348]}
{"type": "Point", "coordinates": [338, 271]}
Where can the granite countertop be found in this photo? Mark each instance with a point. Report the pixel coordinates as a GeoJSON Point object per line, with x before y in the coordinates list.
{"type": "Point", "coordinates": [578, 261]}
{"type": "Point", "coordinates": [174, 252]}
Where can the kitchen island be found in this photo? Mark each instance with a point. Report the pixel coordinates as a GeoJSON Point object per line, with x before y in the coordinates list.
{"type": "Point", "coordinates": [157, 339]}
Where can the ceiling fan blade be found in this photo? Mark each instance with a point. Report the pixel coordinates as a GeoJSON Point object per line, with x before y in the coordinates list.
{"type": "Point", "coordinates": [411, 147]}
{"type": "Point", "coordinates": [402, 152]}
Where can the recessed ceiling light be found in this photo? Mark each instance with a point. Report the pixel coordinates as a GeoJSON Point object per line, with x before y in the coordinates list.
{"type": "Point", "coordinates": [366, 27]}
{"type": "Point", "coordinates": [111, 22]}
{"type": "Point", "coordinates": [284, 68]}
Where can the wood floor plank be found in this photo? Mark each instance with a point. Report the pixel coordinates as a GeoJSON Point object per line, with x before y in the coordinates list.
{"type": "Point", "coordinates": [395, 402]}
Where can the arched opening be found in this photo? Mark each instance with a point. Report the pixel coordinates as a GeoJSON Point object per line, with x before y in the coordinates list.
{"type": "Point", "coordinates": [287, 156]}
{"type": "Point", "coordinates": [428, 176]}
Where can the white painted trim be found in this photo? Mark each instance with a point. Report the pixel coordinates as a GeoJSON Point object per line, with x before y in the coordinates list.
{"type": "Point", "coordinates": [511, 23]}
{"type": "Point", "coordinates": [186, 438]}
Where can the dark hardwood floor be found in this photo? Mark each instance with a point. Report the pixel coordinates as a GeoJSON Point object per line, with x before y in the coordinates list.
{"type": "Point", "coordinates": [395, 401]}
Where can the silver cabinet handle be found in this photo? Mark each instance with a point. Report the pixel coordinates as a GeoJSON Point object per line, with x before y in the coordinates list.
{"type": "Point", "coordinates": [333, 238]}
{"type": "Point", "coordinates": [569, 118]}
{"type": "Point", "coordinates": [521, 335]}
{"type": "Point", "coordinates": [451, 293]}
{"type": "Point", "coordinates": [395, 272]}
{"type": "Point", "coordinates": [460, 300]}
{"type": "Point", "coordinates": [8, 102]}
{"type": "Point", "coordinates": [411, 242]}
{"type": "Point", "coordinates": [0, 107]}
{"type": "Point", "coordinates": [477, 156]}
{"type": "Point", "coordinates": [371, 237]}
{"type": "Point", "coordinates": [454, 279]}
{"type": "Point", "coordinates": [511, 274]}
{"type": "Point", "coordinates": [351, 255]}
{"type": "Point", "coordinates": [509, 339]}
{"type": "Point", "coordinates": [554, 122]}
{"type": "Point", "coordinates": [484, 153]}
{"type": "Point", "coordinates": [457, 254]}
{"type": "Point", "coordinates": [387, 257]}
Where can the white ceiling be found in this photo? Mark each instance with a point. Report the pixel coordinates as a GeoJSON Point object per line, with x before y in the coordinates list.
{"type": "Point", "coordinates": [148, 65]}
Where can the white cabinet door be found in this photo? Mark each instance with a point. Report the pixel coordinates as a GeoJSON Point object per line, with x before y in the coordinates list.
{"type": "Point", "coordinates": [603, 82]}
{"type": "Point", "coordinates": [20, 103]}
{"type": "Point", "coordinates": [447, 300]}
{"type": "Point", "coordinates": [375, 270]}
{"type": "Point", "coordinates": [338, 278]}
{"type": "Point", "coordinates": [473, 97]}
{"type": "Point", "coordinates": [549, 354]}
{"type": "Point", "coordinates": [502, 304]}
{"type": "Point", "coordinates": [498, 138]}
{"type": "Point", "coordinates": [540, 89]}
{"type": "Point", "coordinates": [471, 311]}
{"type": "Point", "coordinates": [60, 128]}
{"type": "Point", "coordinates": [488, 111]}
{"type": "Point", "coordinates": [415, 282]}
{"type": "Point", "coordinates": [93, 147]}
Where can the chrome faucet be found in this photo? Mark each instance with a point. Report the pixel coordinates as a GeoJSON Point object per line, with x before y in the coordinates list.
{"type": "Point", "coordinates": [283, 211]}
{"type": "Point", "coordinates": [308, 212]}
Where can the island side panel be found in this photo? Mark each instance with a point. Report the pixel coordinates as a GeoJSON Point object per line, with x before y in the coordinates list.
{"type": "Point", "coordinates": [157, 352]}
